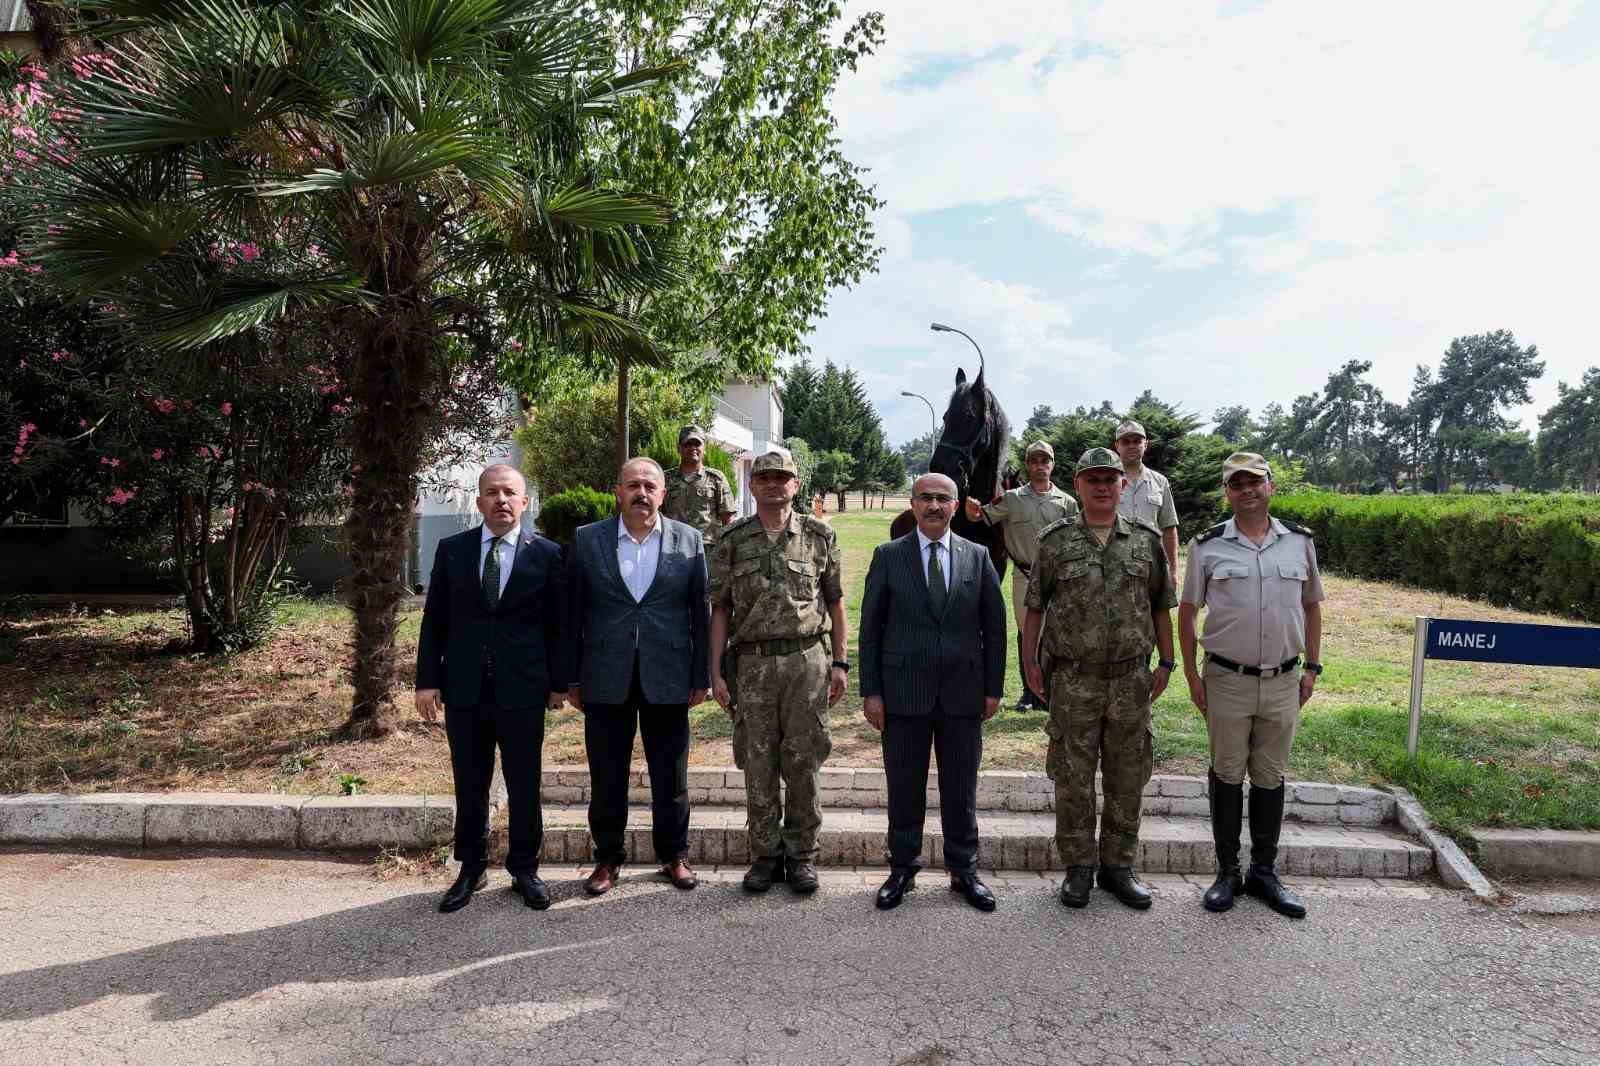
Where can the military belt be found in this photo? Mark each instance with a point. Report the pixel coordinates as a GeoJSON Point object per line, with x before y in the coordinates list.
{"type": "Point", "coordinates": [782, 645]}
{"type": "Point", "coordinates": [1255, 671]}
{"type": "Point", "coordinates": [1103, 670]}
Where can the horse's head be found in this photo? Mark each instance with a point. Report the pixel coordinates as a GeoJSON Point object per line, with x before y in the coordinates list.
{"type": "Point", "coordinates": [968, 436]}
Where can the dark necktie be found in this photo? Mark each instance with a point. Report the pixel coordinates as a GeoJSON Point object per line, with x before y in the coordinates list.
{"type": "Point", "coordinates": [936, 590]}
{"type": "Point", "coordinates": [491, 575]}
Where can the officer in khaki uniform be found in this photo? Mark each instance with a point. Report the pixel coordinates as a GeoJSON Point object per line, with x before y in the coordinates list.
{"type": "Point", "coordinates": [777, 607]}
{"type": "Point", "coordinates": [1099, 598]}
{"type": "Point", "coordinates": [1148, 496]}
{"type": "Point", "coordinates": [696, 494]}
{"type": "Point", "coordinates": [1024, 513]}
{"type": "Point", "coordinates": [1257, 578]}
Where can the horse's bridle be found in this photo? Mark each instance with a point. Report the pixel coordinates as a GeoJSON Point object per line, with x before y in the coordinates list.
{"type": "Point", "coordinates": [966, 453]}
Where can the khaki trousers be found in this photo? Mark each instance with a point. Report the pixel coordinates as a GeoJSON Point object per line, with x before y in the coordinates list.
{"type": "Point", "coordinates": [1252, 722]}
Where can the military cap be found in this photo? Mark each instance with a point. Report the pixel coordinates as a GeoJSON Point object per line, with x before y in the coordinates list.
{"type": "Point", "coordinates": [1130, 426]}
{"type": "Point", "coordinates": [1098, 459]}
{"type": "Point", "coordinates": [771, 461]}
{"type": "Point", "coordinates": [689, 433]}
{"type": "Point", "coordinates": [1245, 463]}
{"type": "Point", "coordinates": [1040, 446]}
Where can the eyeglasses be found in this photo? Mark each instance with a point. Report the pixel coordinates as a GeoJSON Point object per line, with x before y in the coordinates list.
{"type": "Point", "coordinates": [934, 497]}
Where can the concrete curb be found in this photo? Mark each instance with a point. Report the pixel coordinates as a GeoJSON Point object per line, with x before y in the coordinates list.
{"type": "Point", "coordinates": [1539, 853]}
{"type": "Point", "coordinates": [1455, 868]}
{"type": "Point", "coordinates": [998, 790]}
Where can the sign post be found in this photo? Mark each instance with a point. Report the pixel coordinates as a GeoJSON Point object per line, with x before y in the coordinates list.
{"type": "Point", "coordinates": [1463, 640]}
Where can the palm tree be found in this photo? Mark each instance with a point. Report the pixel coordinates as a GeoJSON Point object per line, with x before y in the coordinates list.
{"type": "Point", "coordinates": [415, 169]}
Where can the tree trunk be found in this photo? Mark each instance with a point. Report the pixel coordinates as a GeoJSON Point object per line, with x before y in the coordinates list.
{"type": "Point", "coordinates": [623, 404]}
{"type": "Point", "coordinates": [391, 376]}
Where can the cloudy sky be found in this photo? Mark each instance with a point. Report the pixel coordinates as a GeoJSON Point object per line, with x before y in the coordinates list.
{"type": "Point", "coordinates": [1222, 202]}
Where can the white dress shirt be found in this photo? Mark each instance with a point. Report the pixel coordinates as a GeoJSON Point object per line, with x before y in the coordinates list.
{"type": "Point", "coordinates": [637, 559]}
{"type": "Point", "coordinates": [508, 553]}
{"type": "Point", "coordinates": [944, 555]}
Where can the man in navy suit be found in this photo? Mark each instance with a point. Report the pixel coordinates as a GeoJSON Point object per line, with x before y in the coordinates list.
{"type": "Point", "coordinates": [637, 590]}
{"type": "Point", "coordinates": [491, 652]}
{"type": "Point", "coordinates": [933, 661]}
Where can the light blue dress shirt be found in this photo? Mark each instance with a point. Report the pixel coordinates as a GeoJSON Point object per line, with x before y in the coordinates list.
{"type": "Point", "coordinates": [637, 559]}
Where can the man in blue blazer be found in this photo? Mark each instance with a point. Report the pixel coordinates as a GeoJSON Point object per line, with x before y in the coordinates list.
{"type": "Point", "coordinates": [933, 662]}
{"type": "Point", "coordinates": [639, 617]}
{"type": "Point", "coordinates": [490, 650]}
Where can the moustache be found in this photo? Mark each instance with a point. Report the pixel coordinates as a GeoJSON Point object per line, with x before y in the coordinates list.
{"type": "Point", "coordinates": [641, 499]}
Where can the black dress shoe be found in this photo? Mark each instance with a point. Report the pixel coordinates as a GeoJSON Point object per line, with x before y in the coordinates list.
{"type": "Point", "coordinates": [531, 889]}
{"type": "Point", "coordinates": [1120, 882]}
{"type": "Point", "coordinates": [973, 891]}
{"type": "Point", "coordinates": [1219, 897]}
{"type": "Point", "coordinates": [895, 889]}
{"type": "Point", "coordinates": [1262, 883]}
{"type": "Point", "coordinates": [1076, 886]}
{"type": "Point", "coordinates": [468, 881]}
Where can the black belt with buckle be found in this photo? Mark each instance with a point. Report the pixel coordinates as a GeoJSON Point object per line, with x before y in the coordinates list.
{"type": "Point", "coordinates": [782, 645]}
{"type": "Point", "coordinates": [1254, 671]}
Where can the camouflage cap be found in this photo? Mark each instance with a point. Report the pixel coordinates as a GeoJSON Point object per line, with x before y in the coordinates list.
{"type": "Point", "coordinates": [1098, 459]}
{"type": "Point", "coordinates": [689, 433]}
{"type": "Point", "coordinates": [1130, 426]}
{"type": "Point", "coordinates": [1245, 463]}
{"type": "Point", "coordinates": [773, 461]}
{"type": "Point", "coordinates": [1040, 446]}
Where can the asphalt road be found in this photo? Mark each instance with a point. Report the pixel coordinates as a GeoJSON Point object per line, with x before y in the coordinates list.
{"type": "Point", "coordinates": [284, 961]}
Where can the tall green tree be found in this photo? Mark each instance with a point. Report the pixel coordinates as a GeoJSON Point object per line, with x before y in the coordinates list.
{"type": "Point", "coordinates": [1233, 423]}
{"type": "Point", "coordinates": [1479, 377]}
{"type": "Point", "coordinates": [424, 165]}
{"type": "Point", "coordinates": [1569, 435]}
{"type": "Point", "coordinates": [1347, 417]}
{"type": "Point", "coordinates": [830, 409]}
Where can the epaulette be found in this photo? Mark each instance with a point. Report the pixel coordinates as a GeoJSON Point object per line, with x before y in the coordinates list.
{"type": "Point", "coordinates": [1211, 534]}
{"type": "Point", "coordinates": [1296, 527]}
{"type": "Point", "coordinates": [739, 524]}
{"type": "Point", "coordinates": [816, 525]}
{"type": "Point", "coordinates": [1057, 524]}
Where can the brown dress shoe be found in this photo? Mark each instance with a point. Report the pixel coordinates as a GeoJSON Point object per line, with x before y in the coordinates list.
{"type": "Point", "coordinates": [604, 876]}
{"type": "Point", "coordinates": [680, 873]}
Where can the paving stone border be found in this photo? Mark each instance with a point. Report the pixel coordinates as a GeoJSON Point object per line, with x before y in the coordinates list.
{"type": "Point", "coordinates": [1455, 868]}
{"type": "Point", "coordinates": [1539, 853]}
{"type": "Point", "coordinates": [1007, 790]}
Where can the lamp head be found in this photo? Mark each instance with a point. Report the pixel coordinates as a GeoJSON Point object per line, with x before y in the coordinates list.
{"type": "Point", "coordinates": [940, 327]}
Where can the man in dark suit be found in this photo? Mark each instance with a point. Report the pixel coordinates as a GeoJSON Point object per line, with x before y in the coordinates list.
{"type": "Point", "coordinates": [637, 589]}
{"type": "Point", "coordinates": [933, 660]}
{"type": "Point", "coordinates": [490, 650]}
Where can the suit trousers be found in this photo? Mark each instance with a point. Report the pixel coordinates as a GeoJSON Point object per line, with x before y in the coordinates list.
{"type": "Point", "coordinates": [957, 742]}
{"type": "Point", "coordinates": [473, 733]}
{"type": "Point", "coordinates": [608, 731]}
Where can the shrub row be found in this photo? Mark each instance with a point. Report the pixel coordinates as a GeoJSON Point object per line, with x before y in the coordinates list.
{"type": "Point", "coordinates": [562, 514]}
{"type": "Point", "coordinates": [1535, 552]}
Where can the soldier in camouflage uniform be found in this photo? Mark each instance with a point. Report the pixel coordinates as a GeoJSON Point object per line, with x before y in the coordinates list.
{"type": "Point", "coordinates": [777, 599]}
{"type": "Point", "coordinates": [1100, 598]}
{"type": "Point", "coordinates": [696, 494]}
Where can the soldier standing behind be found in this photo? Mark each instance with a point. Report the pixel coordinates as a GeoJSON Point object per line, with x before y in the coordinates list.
{"type": "Point", "coordinates": [1025, 512]}
{"type": "Point", "coordinates": [1100, 597]}
{"type": "Point", "coordinates": [697, 495]}
{"type": "Point", "coordinates": [1148, 494]}
{"type": "Point", "coordinates": [777, 594]}
{"type": "Point", "coordinates": [1258, 577]}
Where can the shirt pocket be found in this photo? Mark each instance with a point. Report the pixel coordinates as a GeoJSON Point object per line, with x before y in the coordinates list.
{"type": "Point", "coordinates": [1291, 583]}
{"type": "Point", "coordinates": [802, 579]}
{"type": "Point", "coordinates": [1231, 585]}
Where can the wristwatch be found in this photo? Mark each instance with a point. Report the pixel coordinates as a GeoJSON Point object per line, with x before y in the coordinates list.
{"type": "Point", "coordinates": [1167, 664]}
{"type": "Point", "coordinates": [840, 664]}
{"type": "Point", "coordinates": [1312, 668]}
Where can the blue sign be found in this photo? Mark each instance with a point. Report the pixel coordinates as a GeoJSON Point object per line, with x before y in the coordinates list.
{"type": "Point", "coordinates": [1513, 642]}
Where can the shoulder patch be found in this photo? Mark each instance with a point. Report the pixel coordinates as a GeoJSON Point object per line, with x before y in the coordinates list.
{"type": "Point", "coordinates": [1296, 527]}
{"type": "Point", "coordinates": [1212, 533]}
{"type": "Point", "coordinates": [1057, 524]}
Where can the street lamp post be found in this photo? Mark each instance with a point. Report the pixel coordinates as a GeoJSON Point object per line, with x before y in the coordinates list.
{"type": "Point", "coordinates": [940, 327]}
{"type": "Point", "coordinates": [933, 424]}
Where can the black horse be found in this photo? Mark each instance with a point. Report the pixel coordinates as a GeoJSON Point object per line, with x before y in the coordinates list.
{"type": "Point", "coordinates": [970, 452]}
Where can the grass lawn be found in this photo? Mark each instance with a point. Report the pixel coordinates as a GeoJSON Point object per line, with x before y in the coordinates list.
{"type": "Point", "coordinates": [96, 699]}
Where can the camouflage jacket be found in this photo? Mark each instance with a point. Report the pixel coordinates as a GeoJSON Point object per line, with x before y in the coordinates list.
{"type": "Point", "coordinates": [776, 587]}
{"type": "Point", "coordinates": [1098, 603]}
{"type": "Point", "coordinates": [699, 500]}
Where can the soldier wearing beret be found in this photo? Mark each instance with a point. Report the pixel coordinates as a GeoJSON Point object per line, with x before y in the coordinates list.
{"type": "Point", "coordinates": [1257, 578]}
{"type": "Point", "coordinates": [777, 665]}
{"type": "Point", "coordinates": [1024, 513]}
{"type": "Point", "coordinates": [1148, 495]}
{"type": "Point", "coordinates": [697, 495]}
{"type": "Point", "coordinates": [1098, 601]}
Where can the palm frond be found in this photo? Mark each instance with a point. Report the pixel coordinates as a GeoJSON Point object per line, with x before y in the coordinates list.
{"type": "Point", "coordinates": [239, 306]}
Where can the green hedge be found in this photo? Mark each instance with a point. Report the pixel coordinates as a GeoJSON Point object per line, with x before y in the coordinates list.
{"type": "Point", "coordinates": [562, 514]}
{"type": "Point", "coordinates": [1536, 552]}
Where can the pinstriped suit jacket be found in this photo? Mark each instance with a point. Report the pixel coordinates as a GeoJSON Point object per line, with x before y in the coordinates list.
{"type": "Point", "coordinates": [915, 659]}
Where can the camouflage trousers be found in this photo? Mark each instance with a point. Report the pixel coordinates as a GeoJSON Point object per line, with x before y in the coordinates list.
{"type": "Point", "coordinates": [1104, 721]}
{"type": "Point", "coordinates": [782, 712]}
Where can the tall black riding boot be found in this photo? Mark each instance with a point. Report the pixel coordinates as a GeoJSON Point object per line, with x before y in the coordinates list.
{"type": "Point", "coordinates": [1266, 823]}
{"type": "Point", "coordinates": [1227, 814]}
